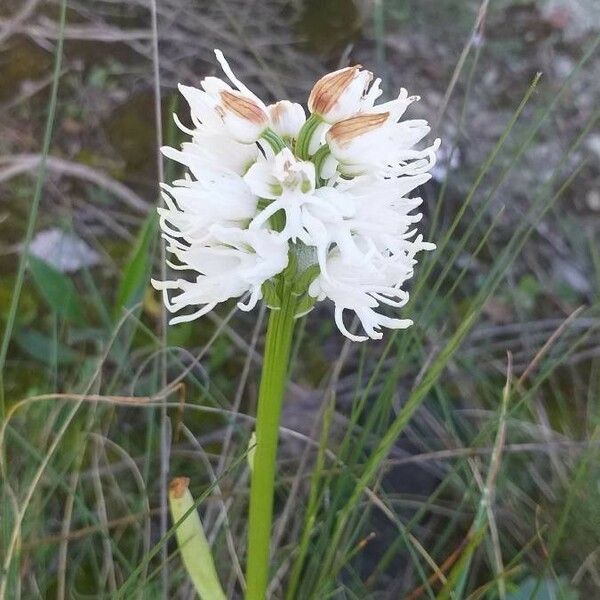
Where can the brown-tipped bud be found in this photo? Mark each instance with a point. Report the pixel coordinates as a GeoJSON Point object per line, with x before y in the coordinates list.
{"type": "Point", "coordinates": [243, 107]}
{"type": "Point", "coordinates": [244, 117]}
{"type": "Point", "coordinates": [343, 132]}
{"type": "Point", "coordinates": [178, 487]}
{"type": "Point", "coordinates": [338, 95]}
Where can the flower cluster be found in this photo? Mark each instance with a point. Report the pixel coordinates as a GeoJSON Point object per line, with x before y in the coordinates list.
{"type": "Point", "coordinates": [266, 187]}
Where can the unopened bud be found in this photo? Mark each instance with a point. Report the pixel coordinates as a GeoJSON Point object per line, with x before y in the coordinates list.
{"type": "Point", "coordinates": [245, 118]}
{"type": "Point", "coordinates": [344, 132]}
{"type": "Point", "coordinates": [178, 487]}
{"type": "Point", "coordinates": [339, 95]}
{"type": "Point", "coordinates": [287, 118]}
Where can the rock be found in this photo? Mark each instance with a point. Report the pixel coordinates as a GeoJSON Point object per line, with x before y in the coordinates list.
{"type": "Point", "coordinates": [63, 250]}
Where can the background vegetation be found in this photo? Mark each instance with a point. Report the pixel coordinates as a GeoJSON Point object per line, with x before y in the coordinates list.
{"type": "Point", "coordinates": [457, 459]}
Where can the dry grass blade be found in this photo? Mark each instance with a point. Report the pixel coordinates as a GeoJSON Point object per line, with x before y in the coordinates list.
{"type": "Point", "coordinates": [475, 38]}
{"type": "Point", "coordinates": [23, 163]}
{"type": "Point", "coordinates": [549, 343]}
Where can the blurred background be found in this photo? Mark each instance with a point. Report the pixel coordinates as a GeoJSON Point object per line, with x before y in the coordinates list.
{"type": "Point", "coordinates": [87, 322]}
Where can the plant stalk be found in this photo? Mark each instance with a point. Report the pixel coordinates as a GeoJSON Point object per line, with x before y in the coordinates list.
{"type": "Point", "coordinates": [270, 399]}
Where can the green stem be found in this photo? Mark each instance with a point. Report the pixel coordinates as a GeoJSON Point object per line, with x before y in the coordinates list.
{"type": "Point", "coordinates": [270, 398]}
{"type": "Point", "coordinates": [305, 136]}
{"type": "Point", "coordinates": [276, 142]}
{"type": "Point", "coordinates": [319, 158]}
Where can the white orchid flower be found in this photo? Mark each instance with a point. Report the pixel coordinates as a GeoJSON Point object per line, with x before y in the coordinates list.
{"type": "Point", "coordinates": [230, 264]}
{"type": "Point", "coordinates": [361, 287]}
{"type": "Point", "coordinates": [264, 183]}
{"type": "Point", "coordinates": [193, 207]}
{"type": "Point", "coordinates": [375, 142]}
{"type": "Point", "coordinates": [288, 183]}
{"type": "Point", "coordinates": [219, 108]}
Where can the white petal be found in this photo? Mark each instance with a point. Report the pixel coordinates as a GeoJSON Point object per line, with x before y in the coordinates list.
{"type": "Point", "coordinates": [228, 71]}
{"type": "Point", "coordinates": [260, 180]}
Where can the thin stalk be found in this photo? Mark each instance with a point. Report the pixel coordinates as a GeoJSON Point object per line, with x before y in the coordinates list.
{"type": "Point", "coordinates": [313, 499]}
{"type": "Point", "coordinates": [319, 158]}
{"type": "Point", "coordinates": [270, 398]}
{"type": "Point", "coordinates": [305, 136]}
{"type": "Point", "coordinates": [275, 141]}
{"type": "Point", "coordinates": [165, 428]}
{"type": "Point", "coordinates": [487, 492]}
{"type": "Point", "coordinates": [33, 211]}
{"type": "Point", "coordinates": [5, 509]}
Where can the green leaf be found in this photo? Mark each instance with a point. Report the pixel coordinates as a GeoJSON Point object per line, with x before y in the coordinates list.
{"type": "Point", "coordinates": [303, 281]}
{"type": "Point", "coordinates": [304, 306]}
{"type": "Point", "coordinates": [461, 565]}
{"type": "Point", "coordinates": [544, 589]}
{"type": "Point", "coordinates": [192, 542]}
{"type": "Point", "coordinates": [137, 269]}
{"type": "Point", "coordinates": [43, 348]}
{"type": "Point", "coordinates": [57, 289]}
{"type": "Point", "coordinates": [270, 295]}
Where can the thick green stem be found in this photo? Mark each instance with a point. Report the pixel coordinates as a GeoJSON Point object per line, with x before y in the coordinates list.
{"type": "Point", "coordinates": [270, 399]}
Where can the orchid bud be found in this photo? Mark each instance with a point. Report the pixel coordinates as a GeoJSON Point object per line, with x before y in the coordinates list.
{"type": "Point", "coordinates": [287, 118]}
{"type": "Point", "coordinates": [343, 133]}
{"type": "Point", "coordinates": [228, 112]}
{"type": "Point", "coordinates": [243, 117]}
{"type": "Point", "coordinates": [374, 143]}
{"type": "Point", "coordinates": [340, 94]}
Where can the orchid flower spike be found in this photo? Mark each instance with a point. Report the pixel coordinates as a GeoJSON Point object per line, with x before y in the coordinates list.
{"type": "Point", "coordinates": [272, 199]}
